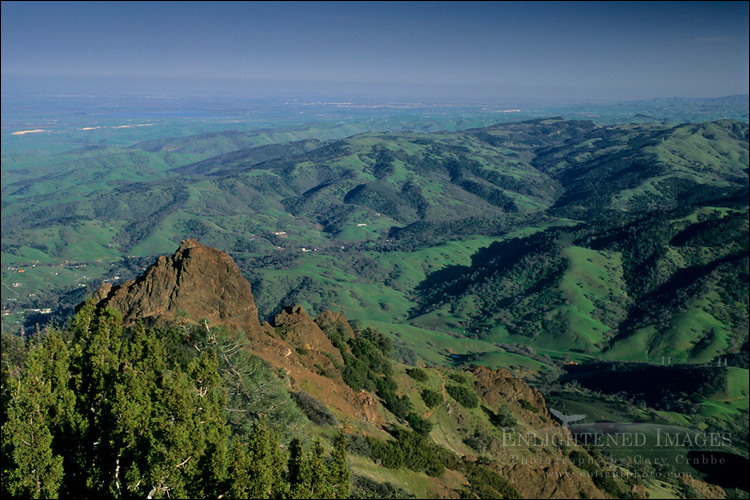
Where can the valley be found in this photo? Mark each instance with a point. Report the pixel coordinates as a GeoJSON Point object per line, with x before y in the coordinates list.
{"type": "Point", "coordinates": [573, 251]}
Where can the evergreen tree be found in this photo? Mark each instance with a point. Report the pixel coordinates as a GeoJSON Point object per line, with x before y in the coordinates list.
{"type": "Point", "coordinates": [338, 468]}
{"type": "Point", "coordinates": [37, 471]}
{"type": "Point", "coordinates": [98, 417]}
{"type": "Point", "coordinates": [320, 483]}
{"type": "Point", "coordinates": [299, 472]}
{"type": "Point", "coordinates": [257, 469]}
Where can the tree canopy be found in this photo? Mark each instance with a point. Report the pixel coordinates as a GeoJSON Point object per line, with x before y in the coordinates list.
{"type": "Point", "coordinates": [99, 412]}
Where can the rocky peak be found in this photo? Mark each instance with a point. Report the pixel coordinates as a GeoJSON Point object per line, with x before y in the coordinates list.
{"type": "Point", "coordinates": [331, 321]}
{"type": "Point", "coordinates": [197, 282]}
{"type": "Point", "coordinates": [500, 386]}
{"type": "Point", "coordinates": [300, 330]}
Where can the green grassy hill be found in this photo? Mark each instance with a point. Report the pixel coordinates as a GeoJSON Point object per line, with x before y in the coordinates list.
{"type": "Point", "coordinates": [625, 242]}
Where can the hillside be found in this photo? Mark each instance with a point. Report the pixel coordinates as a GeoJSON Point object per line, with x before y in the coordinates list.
{"type": "Point", "coordinates": [412, 432]}
{"type": "Point", "coordinates": [613, 237]}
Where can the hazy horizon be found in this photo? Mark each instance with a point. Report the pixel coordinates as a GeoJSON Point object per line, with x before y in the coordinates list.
{"type": "Point", "coordinates": [553, 51]}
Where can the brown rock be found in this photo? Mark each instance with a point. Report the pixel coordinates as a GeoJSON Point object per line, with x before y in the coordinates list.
{"type": "Point", "coordinates": [328, 320]}
{"type": "Point", "coordinates": [554, 480]}
{"type": "Point", "coordinates": [704, 490]}
{"type": "Point", "coordinates": [198, 281]}
{"type": "Point", "coordinates": [497, 386]}
{"type": "Point", "coordinates": [202, 282]}
{"type": "Point", "coordinates": [300, 330]}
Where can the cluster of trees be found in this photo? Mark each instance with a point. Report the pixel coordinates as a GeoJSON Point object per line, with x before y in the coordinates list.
{"type": "Point", "coordinates": [486, 483]}
{"type": "Point", "coordinates": [431, 398]}
{"type": "Point", "coordinates": [408, 449]}
{"type": "Point", "coordinates": [413, 451]}
{"type": "Point", "coordinates": [383, 167]}
{"type": "Point", "coordinates": [679, 387]}
{"type": "Point", "coordinates": [95, 411]}
{"type": "Point", "coordinates": [603, 479]}
{"type": "Point", "coordinates": [464, 395]}
{"type": "Point", "coordinates": [669, 262]}
{"type": "Point", "coordinates": [367, 366]}
{"type": "Point", "coordinates": [513, 283]}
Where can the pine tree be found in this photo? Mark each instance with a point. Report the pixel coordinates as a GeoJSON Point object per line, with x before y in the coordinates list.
{"type": "Point", "coordinates": [299, 471]}
{"type": "Point", "coordinates": [320, 483]}
{"type": "Point", "coordinates": [97, 416]}
{"type": "Point", "coordinates": [239, 482]}
{"type": "Point", "coordinates": [338, 468]}
{"type": "Point", "coordinates": [37, 472]}
{"type": "Point", "coordinates": [267, 461]}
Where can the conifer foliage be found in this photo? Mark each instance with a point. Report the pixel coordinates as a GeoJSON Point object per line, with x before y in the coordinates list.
{"type": "Point", "coordinates": [93, 415]}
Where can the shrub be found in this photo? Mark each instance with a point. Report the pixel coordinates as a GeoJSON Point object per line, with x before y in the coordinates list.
{"type": "Point", "coordinates": [457, 377]}
{"type": "Point", "coordinates": [419, 454]}
{"type": "Point", "coordinates": [385, 384]}
{"type": "Point", "coordinates": [314, 409]}
{"type": "Point", "coordinates": [399, 406]}
{"type": "Point", "coordinates": [446, 457]}
{"type": "Point", "coordinates": [389, 453]}
{"type": "Point", "coordinates": [527, 405]}
{"type": "Point", "coordinates": [465, 396]}
{"type": "Point", "coordinates": [500, 419]}
{"type": "Point", "coordinates": [355, 374]}
{"type": "Point", "coordinates": [364, 487]}
{"type": "Point", "coordinates": [324, 372]}
{"type": "Point", "coordinates": [417, 374]}
{"type": "Point", "coordinates": [408, 449]}
{"type": "Point", "coordinates": [431, 398]}
{"type": "Point", "coordinates": [479, 441]}
{"type": "Point", "coordinates": [485, 483]}
{"type": "Point", "coordinates": [358, 445]}
{"type": "Point", "coordinates": [418, 424]}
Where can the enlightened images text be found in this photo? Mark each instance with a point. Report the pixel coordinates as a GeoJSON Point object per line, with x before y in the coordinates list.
{"type": "Point", "coordinates": [618, 439]}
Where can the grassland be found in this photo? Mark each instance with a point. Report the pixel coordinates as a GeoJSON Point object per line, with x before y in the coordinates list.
{"type": "Point", "coordinates": [124, 191]}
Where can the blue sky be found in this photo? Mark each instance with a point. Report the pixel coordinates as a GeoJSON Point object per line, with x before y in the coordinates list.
{"type": "Point", "coordinates": [545, 50]}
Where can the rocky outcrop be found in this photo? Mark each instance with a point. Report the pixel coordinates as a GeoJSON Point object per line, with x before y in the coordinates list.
{"type": "Point", "coordinates": [498, 386]}
{"type": "Point", "coordinates": [704, 490]}
{"type": "Point", "coordinates": [299, 329]}
{"type": "Point", "coordinates": [197, 282]}
{"type": "Point", "coordinates": [200, 283]}
{"type": "Point", "coordinates": [335, 322]}
{"type": "Point", "coordinates": [553, 480]}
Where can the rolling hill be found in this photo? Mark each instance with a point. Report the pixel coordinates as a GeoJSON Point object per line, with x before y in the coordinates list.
{"type": "Point", "coordinates": [560, 234]}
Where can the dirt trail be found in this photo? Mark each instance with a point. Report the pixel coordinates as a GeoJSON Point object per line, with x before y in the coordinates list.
{"type": "Point", "coordinates": [445, 397]}
{"type": "Point", "coordinates": [447, 405]}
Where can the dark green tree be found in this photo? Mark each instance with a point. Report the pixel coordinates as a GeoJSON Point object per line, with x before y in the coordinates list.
{"type": "Point", "coordinates": [320, 482]}
{"type": "Point", "coordinates": [265, 473]}
{"type": "Point", "coordinates": [339, 474]}
{"type": "Point", "coordinates": [36, 471]}
{"type": "Point", "coordinates": [299, 471]}
{"type": "Point", "coordinates": [109, 413]}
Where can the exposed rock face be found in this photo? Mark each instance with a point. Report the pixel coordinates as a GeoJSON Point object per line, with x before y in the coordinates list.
{"type": "Point", "coordinates": [494, 386]}
{"type": "Point", "coordinates": [302, 331]}
{"type": "Point", "coordinates": [200, 282]}
{"type": "Point", "coordinates": [705, 490]}
{"type": "Point", "coordinates": [328, 320]}
{"type": "Point", "coordinates": [550, 481]}
{"type": "Point", "coordinates": [197, 280]}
